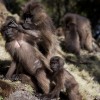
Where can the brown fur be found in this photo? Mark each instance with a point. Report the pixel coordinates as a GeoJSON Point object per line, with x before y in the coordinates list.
{"type": "Point", "coordinates": [42, 22]}
{"type": "Point", "coordinates": [30, 80]}
{"type": "Point", "coordinates": [72, 43]}
{"type": "Point", "coordinates": [5, 89]}
{"type": "Point", "coordinates": [63, 80]}
{"type": "Point", "coordinates": [24, 78]}
{"type": "Point", "coordinates": [83, 30]}
{"type": "Point", "coordinates": [25, 55]}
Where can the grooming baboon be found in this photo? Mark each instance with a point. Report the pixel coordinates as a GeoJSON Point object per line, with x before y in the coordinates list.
{"type": "Point", "coordinates": [83, 30]}
{"type": "Point", "coordinates": [63, 80]}
{"type": "Point", "coordinates": [24, 54]}
{"type": "Point", "coordinates": [35, 17]}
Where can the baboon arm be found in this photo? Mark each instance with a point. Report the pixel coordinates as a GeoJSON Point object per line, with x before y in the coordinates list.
{"type": "Point", "coordinates": [45, 61]}
{"type": "Point", "coordinates": [11, 70]}
{"type": "Point", "coordinates": [33, 33]}
{"type": "Point", "coordinates": [30, 32]}
{"type": "Point", "coordinates": [43, 81]}
{"type": "Point", "coordinates": [56, 91]}
{"type": "Point", "coordinates": [58, 87]}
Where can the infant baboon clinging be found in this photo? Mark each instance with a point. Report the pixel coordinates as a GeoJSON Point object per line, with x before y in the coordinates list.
{"type": "Point", "coordinates": [63, 80]}
{"type": "Point", "coordinates": [82, 31]}
{"type": "Point", "coordinates": [24, 54]}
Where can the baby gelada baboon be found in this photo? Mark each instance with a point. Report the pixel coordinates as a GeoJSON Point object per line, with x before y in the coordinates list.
{"type": "Point", "coordinates": [63, 80]}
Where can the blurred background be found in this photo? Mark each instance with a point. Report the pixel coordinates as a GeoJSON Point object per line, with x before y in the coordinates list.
{"type": "Point", "coordinates": [57, 8]}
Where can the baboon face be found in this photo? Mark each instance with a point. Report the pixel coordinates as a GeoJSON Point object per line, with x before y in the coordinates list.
{"type": "Point", "coordinates": [8, 29]}
{"type": "Point", "coordinates": [56, 63]}
{"type": "Point", "coordinates": [7, 33]}
{"type": "Point", "coordinates": [29, 13]}
{"type": "Point", "coordinates": [27, 17]}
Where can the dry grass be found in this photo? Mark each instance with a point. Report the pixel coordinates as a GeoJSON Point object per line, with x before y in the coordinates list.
{"type": "Point", "coordinates": [3, 54]}
{"type": "Point", "coordinates": [89, 88]}
{"type": "Point", "coordinates": [84, 74]}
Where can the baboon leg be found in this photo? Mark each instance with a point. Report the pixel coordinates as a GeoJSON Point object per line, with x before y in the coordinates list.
{"type": "Point", "coordinates": [82, 37]}
{"type": "Point", "coordinates": [49, 55]}
{"type": "Point", "coordinates": [74, 94]}
{"type": "Point", "coordinates": [88, 43]}
{"type": "Point", "coordinates": [43, 81]}
{"type": "Point", "coordinates": [26, 79]}
{"type": "Point", "coordinates": [11, 70]}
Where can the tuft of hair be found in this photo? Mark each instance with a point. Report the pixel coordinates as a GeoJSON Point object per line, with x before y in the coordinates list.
{"type": "Point", "coordinates": [5, 88]}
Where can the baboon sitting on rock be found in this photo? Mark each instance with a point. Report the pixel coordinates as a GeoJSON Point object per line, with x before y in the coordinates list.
{"type": "Point", "coordinates": [24, 54]}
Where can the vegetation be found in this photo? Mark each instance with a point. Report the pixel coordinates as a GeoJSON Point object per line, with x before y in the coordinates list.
{"type": "Point", "coordinates": [57, 8]}
{"type": "Point", "coordinates": [87, 75]}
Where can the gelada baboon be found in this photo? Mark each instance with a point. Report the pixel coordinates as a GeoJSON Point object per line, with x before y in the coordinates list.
{"type": "Point", "coordinates": [35, 17]}
{"type": "Point", "coordinates": [72, 41]}
{"type": "Point", "coordinates": [24, 54]}
{"type": "Point", "coordinates": [63, 80]}
{"type": "Point", "coordinates": [83, 30]}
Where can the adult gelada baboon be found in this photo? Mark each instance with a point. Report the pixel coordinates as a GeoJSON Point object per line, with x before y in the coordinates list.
{"type": "Point", "coordinates": [83, 30]}
{"type": "Point", "coordinates": [35, 17]}
{"type": "Point", "coordinates": [72, 42]}
{"type": "Point", "coordinates": [24, 54]}
{"type": "Point", "coordinates": [63, 80]}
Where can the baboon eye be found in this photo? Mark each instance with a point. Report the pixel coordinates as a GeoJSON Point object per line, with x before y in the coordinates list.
{"type": "Point", "coordinates": [27, 15]}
